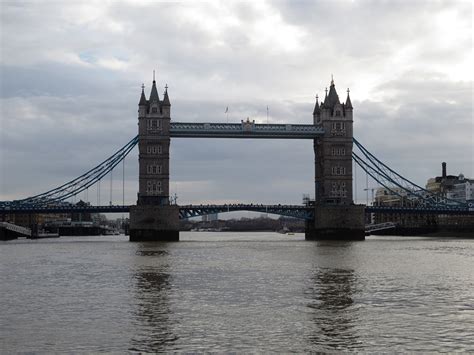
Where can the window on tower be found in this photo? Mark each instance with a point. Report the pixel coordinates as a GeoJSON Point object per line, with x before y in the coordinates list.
{"type": "Point", "coordinates": [338, 170]}
{"type": "Point", "coordinates": [338, 189]}
{"type": "Point", "coordinates": [154, 149]}
{"type": "Point", "coordinates": [154, 169]}
{"type": "Point", "coordinates": [338, 126]}
{"type": "Point", "coordinates": [338, 129]}
{"type": "Point", "coordinates": [338, 151]}
{"type": "Point", "coordinates": [153, 124]}
{"type": "Point", "coordinates": [154, 187]}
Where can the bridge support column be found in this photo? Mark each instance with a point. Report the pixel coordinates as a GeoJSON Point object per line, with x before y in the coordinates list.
{"type": "Point", "coordinates": [337, 222]}
{"type": "Point", "coordinates": [149, 223]}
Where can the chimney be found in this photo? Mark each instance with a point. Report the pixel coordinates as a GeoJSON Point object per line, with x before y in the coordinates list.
{"type": "Point", "coordinates": [444, 170]}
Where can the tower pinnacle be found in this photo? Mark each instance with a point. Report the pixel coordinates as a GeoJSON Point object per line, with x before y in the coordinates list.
{"type": "Point", "coordinates": [348, 100]}
{"type": "Point", "coordinates": [143, 101]}
{"type": "Point", "coordinates": [317, 109]}
{"type": "Point", "coordinates": [154, 93]}
{"type": "Point", "coordinates": [332, 98]}
{"type": "Point", "coordinates": [166, 99]}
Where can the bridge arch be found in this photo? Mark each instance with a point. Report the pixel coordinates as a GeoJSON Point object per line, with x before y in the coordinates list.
{"type": "Point", "coordinates": [295, 211]}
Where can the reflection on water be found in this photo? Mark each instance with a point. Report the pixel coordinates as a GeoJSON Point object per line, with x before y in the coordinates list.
{"type": "Point", "coordinates": [333, 308]}
{"type": "Point", "coordinates": [151, 285]}
{"type": "Point", "coordinates": [227, 292]}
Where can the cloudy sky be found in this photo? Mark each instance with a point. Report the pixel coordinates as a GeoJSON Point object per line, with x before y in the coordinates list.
{"type": "Point", "coordinates": [71, 73]}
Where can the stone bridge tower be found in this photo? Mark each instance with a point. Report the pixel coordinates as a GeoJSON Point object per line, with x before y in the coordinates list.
{"type": "Point", "coordinates": [336, 216]}
{"type": "Point", "coordinates": [333, 152]}
{"type": "Point", "coordinates": [154, 218]}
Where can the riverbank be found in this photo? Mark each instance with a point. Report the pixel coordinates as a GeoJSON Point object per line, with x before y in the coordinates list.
{"type": "Point", "coordinates": [434, 231]}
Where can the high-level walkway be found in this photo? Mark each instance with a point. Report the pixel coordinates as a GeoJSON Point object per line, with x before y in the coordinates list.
{"type": "Point", "coordinates": [245, 129]}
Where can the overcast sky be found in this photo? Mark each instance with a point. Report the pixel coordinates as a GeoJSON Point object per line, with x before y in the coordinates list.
{"type": "Point", "coordinates": [71, 73]}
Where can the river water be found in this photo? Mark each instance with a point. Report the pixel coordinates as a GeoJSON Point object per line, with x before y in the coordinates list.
{"type": "Point", "coordinates": [242, 292]}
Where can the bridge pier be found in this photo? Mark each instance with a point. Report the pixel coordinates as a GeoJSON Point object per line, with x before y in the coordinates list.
{"type": "Point", "coordinates": [150, 223]}
{"type": "Point", "coordinates": [337, 222]}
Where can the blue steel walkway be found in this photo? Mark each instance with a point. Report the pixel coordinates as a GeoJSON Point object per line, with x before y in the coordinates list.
{"type": "Point", "coordinates": [245, 129]}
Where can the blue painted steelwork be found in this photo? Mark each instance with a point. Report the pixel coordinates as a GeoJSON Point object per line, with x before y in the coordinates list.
{"type": "Point", "coordinates": [420, 198]}
{"type": "Point", "coordinates": [188, 211]}
{"type": "Point", "coordinates": [63, 208]}
{"type": "Point", "coordinates": [245, 129]}
{"type": "Point", "coordinates": [296, 211]}
{"type": "Point", "coordinates": [56, 196]}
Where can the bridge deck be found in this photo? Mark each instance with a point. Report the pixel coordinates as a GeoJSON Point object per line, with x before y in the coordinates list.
{"type": "Point", "coordinates": [188, 211]}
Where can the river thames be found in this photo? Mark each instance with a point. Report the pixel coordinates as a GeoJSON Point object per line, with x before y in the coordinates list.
{"type": "Point", "coordinates": [243, 292]}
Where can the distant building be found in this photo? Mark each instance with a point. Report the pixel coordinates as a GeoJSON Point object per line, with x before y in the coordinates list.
{"type": "Point", "coordinates": [30, 219]}
{"type": "Point", "coordinates": [462, 191]}
{"type": "Point", "coordinates": [210, 217]}
{"type": "Point", "coordinates": [453, 187]}
{"type": "Point", "coordinates": [395, 197]}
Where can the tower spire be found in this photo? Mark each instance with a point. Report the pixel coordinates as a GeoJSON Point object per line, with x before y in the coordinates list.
{"type": "Point", "coordinates": [331, 98]}
{"type": "Point", "coordinates": [154, 93]}
{"type": "Point", "coordinates": [317, 109]}
{"type": "Point", "coordinates": [348, 100]}
{"type": "Point", "coordinates": [143, 101]}
{"type": "Point", "coordinates": [166, 99]}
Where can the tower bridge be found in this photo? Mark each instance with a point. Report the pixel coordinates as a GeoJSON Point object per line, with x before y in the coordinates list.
{"type": "Point", "coordinates": [332, 216]}
{"type": "Point", "coordinates": [154, 218]}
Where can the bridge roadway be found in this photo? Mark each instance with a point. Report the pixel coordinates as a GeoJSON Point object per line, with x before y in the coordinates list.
{"type": "Point", "coordinates": [188, 211]}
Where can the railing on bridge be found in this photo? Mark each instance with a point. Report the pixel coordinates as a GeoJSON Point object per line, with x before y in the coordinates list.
{"type": "Point", "coordinates": [186, 211]}
{"type": "Point", "coordinates": [62, 208]}
{"type": "Point", "coordinates": [379, 226]}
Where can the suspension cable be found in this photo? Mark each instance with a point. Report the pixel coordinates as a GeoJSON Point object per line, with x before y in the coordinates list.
{"type": "Point", "coordinates": [82, 182]}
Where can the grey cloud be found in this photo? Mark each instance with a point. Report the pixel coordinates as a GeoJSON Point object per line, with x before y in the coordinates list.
{"type": "Point", "coordinates": [63, 110]}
